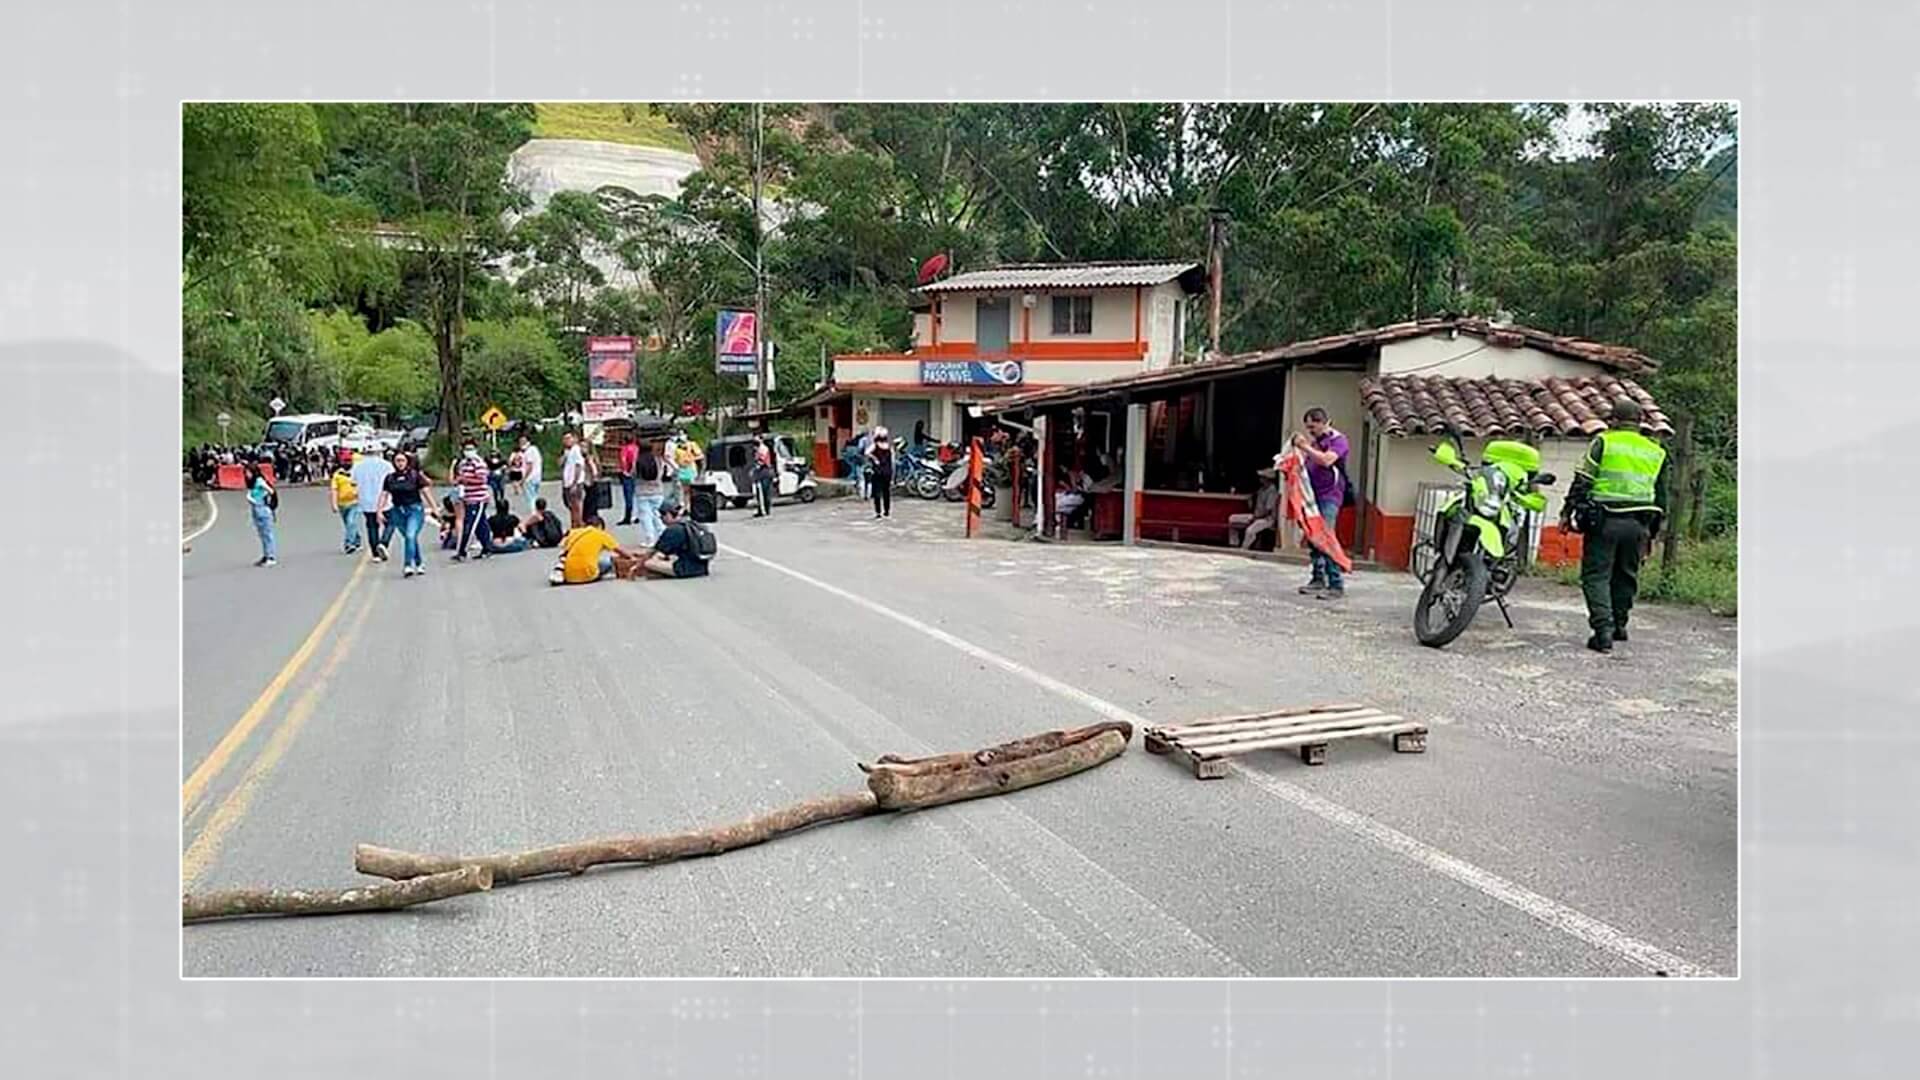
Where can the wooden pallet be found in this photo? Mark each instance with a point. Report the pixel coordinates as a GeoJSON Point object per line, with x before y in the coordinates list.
{"type": "Point", "coordinates": [1207, 744]}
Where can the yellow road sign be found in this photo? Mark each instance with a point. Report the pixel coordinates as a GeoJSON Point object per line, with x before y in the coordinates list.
{"type": "Point", "coordinates": [493, 418]}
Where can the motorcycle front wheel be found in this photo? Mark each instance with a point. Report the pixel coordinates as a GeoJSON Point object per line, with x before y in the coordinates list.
{"type": "Point", "coordinates": [1451, 599]}
{"type": "Point", "coordinates": [927, 485]}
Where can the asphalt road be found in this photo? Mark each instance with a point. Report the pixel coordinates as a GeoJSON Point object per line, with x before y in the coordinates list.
{"type": "Point", "coordinates": [1574, 815]}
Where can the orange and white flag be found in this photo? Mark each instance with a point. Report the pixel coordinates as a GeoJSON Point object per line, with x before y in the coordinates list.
{"type": "Point", "coordinates": [1304, 511]}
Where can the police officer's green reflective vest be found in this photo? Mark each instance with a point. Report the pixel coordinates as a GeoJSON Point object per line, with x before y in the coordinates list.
{"type": "Point", "coordinates": [1629, 468]}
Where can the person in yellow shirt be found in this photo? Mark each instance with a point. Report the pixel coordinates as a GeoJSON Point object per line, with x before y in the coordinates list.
{"type": "Point", "coordinates": [590, 553]}
{"type": "Point", "coordinates": [346, 503]}
{"type": "Point", "coordinates": [687, 458]}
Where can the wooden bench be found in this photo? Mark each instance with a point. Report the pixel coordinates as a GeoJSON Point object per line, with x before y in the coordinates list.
{"type": "Point", "coordinates": [1179, 531]}
{"type": "Point", "coordinates": [1187, 516]}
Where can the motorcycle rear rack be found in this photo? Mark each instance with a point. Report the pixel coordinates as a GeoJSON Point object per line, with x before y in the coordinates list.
{"type": "Point", "coordinates": [1205, 745]}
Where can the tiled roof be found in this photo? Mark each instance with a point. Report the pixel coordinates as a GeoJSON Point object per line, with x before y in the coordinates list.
{"type": "Point", "coordinates": [1511, 408]}
{"type": "Point", "coordinates": [1064, 276]}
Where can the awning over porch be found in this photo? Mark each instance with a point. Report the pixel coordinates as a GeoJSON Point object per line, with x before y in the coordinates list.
{"type": "Point", "coordinates": [1615, 358]}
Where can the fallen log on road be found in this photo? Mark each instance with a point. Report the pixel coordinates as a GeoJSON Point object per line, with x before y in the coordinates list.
{"type": "Point", "coordinates": [915, 787]}
{"type": "Point", "coordinates": [893, 783]}
{"type": "Point", "coordinates": [1007, 751]}
{"type": "Point", "coordinates": [386, 896]}
{"type": "Point", "coordinates": [576, 857]}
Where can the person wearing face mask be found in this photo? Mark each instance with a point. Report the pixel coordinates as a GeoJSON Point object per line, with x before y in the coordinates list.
{"type": "Point", "coordinates": [471, 476]}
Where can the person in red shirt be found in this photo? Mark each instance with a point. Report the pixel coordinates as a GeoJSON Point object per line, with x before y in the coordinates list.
{"type": "Point", "coordinates": [629, 461]}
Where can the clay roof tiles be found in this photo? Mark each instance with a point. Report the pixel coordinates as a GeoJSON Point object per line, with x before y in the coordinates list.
{"type": "Point", "coordinates": [1405, 405]}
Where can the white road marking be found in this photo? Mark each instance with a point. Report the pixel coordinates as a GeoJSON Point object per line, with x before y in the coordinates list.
{"type": "Point", "coordinates": [213, 515]}
{"type": "Point", "coordinates": [1546, 910]}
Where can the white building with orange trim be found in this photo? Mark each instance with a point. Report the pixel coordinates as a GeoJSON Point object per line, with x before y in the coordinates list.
{"type": "Point", "coordinates": [984, 334]}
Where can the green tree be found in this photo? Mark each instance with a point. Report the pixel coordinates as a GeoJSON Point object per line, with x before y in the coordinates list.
{"type": "Point", "coordinates": [436, 174]}
{"type": "Point", "coordinates": [557, 253]}
{"type": "Point", "coordinates": [518, 366]}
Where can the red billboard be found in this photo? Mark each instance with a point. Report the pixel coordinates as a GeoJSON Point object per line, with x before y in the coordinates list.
{"type": "Point", "coordinates": [612, 371]}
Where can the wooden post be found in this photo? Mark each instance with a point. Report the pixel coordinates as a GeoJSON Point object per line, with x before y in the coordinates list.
{"type": "Point", "coordinates": [974, 465]}
{"type": "Point", "coordinates": [1013, 470]}
{"type": "Point", "coordinates": [1216, 272]}
{"type": "Point", "coordinates": [1133, 473]}
{"type": "Point", "coordinates": [1681, 474]}
{"type": "Point", "coordinates": [1043, 482]}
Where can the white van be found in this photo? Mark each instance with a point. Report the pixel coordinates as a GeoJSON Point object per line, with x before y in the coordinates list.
{"type": "Point", "coordinates": [305, 431]}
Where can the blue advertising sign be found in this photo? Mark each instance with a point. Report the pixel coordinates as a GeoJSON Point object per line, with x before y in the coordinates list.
{"type": "Point", "coordinates": [971, 372]}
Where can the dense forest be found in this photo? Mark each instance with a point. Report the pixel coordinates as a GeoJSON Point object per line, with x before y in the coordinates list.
{"type": "Point", "coordinates": [364, 252]}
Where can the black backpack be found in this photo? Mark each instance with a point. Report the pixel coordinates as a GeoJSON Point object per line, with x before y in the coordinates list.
{"type": "Point", "coordinates": [702, 538]}
{"type": "Point", "coordinates": [273, 497]}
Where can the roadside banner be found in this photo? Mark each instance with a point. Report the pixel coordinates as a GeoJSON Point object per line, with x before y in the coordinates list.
{"type": "Point", "coordinates": [736, 342]}
{"type": "Point", "coordinates": [612, 373]}
{"type": "Point", "coordinates": [603, 410]}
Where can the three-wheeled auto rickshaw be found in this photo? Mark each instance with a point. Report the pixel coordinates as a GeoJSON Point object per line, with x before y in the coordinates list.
{"type": "Point", "coordinates": [730, 470]}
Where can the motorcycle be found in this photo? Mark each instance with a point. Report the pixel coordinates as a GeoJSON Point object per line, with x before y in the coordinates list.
{"type": "Point", "coordinates": [954, 487]}
{"type": "Point", "coordinates": [1479, 536]}
{"type": "Point", "coordinates": [918, 475]}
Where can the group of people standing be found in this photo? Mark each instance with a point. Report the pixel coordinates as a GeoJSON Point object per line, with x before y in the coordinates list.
{"type": "Point", "coordinates": [653, 475]}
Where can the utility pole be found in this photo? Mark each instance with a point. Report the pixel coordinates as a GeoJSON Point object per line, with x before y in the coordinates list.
{"type": "Point", "coordinates": [1216, 272]}
{"type": "Point", "coordinates": [759, 280]}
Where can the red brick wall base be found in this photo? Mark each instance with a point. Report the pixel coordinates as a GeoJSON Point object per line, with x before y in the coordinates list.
{"type": "Point", "coordinates": [1557, 548]}
{"type": "Point", "coordinates": [1393, 542]}
{"type": "Point", "coordinates": [1392, 538]}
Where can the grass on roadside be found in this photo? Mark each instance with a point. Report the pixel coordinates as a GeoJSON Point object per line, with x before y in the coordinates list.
{"type": "Point", "coordinates": [1705, 573]}
{"type": "Point", "coordinates": [632, 123]}
{"type": "Point", "coordinates": [246, 428]}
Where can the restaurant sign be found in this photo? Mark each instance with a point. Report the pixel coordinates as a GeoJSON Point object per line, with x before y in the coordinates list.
{"type": "Point", "coordinates": [971, 372]}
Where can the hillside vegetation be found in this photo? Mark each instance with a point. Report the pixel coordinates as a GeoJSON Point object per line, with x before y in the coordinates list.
{"type": "Point", "coordinates": [631, 123]}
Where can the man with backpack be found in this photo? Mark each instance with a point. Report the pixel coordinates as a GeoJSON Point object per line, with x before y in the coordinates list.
{"type": "Point", "coordinates": [1325, 450]}
{"type": "Point", "coordinates": [684, 549]}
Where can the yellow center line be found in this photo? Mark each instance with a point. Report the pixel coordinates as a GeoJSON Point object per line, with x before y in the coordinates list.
{"type": "Point", "coordinates": [236, 736]}
{"type": "Point", "coordinates": [232, 809]}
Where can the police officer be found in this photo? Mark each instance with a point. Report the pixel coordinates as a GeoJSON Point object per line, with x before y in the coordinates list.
{"type": "Point", "coordinates": [1618, 497]}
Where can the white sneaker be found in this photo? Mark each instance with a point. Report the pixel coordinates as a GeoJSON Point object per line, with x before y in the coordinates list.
{"type": "Point", "coordinates": [406, 571]}
{"type": "Point", "coordinates": [271, 562]}
{"type": "Point", "coordinates": [421, 570]}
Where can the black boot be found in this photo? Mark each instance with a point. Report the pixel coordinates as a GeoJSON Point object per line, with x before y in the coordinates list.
{"type": "Point", "coordinates": [1619, 633]}
{"type": "Point", "coordinates": [1600, 642]}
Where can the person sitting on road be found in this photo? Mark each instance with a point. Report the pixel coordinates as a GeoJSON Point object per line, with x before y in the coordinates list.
{"type": "Point", "coordinates": [502, 535]}
{"type": "Point", "coordinates": [677, 553]}
{"type": "Point", "coordinates": [449, 518]}
{"type": "Point", "coordinates": [542, 528]}
{"type": "Point", "coordinates": [590, 553]}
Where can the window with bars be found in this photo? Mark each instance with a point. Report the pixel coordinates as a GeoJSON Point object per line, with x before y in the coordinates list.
{"type": "Point", "coordinates": [1073, 315]}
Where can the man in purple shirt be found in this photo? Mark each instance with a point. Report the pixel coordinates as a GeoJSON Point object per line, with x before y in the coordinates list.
{"type": "Point", "coordinates": [1326, 452]}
